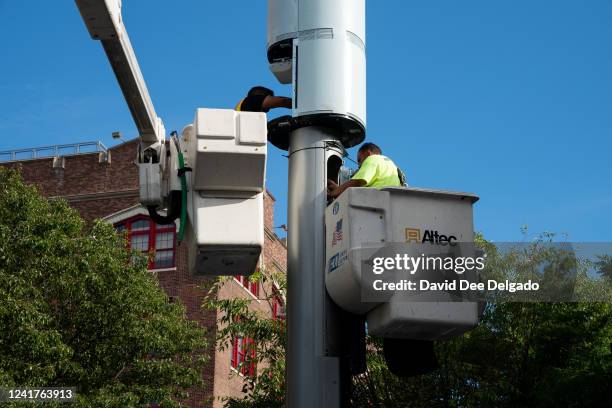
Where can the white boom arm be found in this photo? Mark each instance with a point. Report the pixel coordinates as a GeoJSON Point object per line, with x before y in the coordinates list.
{"type": "Point", "coordinates": [212, 178]}
{"type": "Point", "coordinates": [104, 22]}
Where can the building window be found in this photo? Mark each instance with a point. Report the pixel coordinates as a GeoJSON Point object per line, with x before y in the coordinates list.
{"type": "Point", "coordinates": [252, 287]}
{"type": "Point", "coordinates": [243, 356]}
{"type": "Point", "coordinates": [278, 307]}
{"type": "Point", "coordinates": [147, 237]}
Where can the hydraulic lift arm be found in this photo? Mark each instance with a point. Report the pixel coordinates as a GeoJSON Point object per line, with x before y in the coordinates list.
{"type": "Point", "coordinates": [104, 22]}
{"type": "Point", "coordinates": [212, 177]}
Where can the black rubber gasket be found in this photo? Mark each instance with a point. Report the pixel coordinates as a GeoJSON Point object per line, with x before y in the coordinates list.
{"type": "Point", "coordinates": [352, 132]}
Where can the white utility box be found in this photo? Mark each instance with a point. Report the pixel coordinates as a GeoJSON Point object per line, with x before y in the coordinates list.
{"type": "Point", "coordinates": [230, 150]}
{"type": "Point", "coordinates": [227, 151]}
{"type": "Point", "coordinates": [365, 221]}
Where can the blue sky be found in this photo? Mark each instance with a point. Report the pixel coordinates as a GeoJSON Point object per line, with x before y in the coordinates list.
{"type": "Point", "coordinates": [511, 100]}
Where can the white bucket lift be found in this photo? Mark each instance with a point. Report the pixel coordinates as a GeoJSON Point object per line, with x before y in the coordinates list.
{"type": "Point", "coordinates": [226, 150]}
{"type": "Point", "coordinates": [364, 220]}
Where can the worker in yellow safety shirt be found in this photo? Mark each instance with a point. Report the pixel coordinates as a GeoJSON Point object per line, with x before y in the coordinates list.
{"type": "Point", "coordinates": [261, 99]}
{"type": "Point", "coordinates": [375, 170]}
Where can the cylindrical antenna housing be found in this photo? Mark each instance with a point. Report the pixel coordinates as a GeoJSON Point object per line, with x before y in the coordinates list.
{"type": "Point", "coordinates": [322, 44]}
{"type": "Point", "coordinates": [282, 29]}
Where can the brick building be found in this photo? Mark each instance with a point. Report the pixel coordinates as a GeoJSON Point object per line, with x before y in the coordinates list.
{"type": "Point", "coordinates": [103, 183]}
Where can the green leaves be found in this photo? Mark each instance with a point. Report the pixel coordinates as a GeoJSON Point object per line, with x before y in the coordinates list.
{"type": "Point", "coordinates": [238, 319]}
{"type": "Point", "coordinates": [75, 311]}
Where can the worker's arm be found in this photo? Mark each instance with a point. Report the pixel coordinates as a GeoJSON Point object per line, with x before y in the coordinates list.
{"type": "Point", "coordinates": [334, 190]}
{"type": "Point", "coordinates": [271, 102]}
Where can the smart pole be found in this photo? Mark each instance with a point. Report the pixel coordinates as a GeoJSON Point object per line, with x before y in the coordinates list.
{"type": "Point", "coordinates": [319, 47]}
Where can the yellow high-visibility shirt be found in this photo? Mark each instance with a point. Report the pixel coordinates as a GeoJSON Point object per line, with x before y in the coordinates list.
{"type": "Point", "coordinates": [378, 171]}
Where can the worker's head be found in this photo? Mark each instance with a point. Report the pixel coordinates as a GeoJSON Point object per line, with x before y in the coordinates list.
{"type": "Point", "coordinates": [366, 150]}
{"type": "Point", "coordinates": [260, 90]}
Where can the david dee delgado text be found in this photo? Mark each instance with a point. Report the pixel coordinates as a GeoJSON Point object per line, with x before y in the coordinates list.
{"type": "Point", "coordinates": [410, 264]}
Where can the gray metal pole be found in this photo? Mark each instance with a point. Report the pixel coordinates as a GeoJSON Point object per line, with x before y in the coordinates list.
{"type": "Point", "coordinates": [313, 369]}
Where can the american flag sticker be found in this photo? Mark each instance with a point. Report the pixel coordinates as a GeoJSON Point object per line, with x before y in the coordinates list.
{"type": "Point", "coordinates": [337, 233]}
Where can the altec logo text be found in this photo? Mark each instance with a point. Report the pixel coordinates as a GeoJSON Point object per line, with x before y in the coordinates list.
{"type": "Point", "coordinates": [431, 236]}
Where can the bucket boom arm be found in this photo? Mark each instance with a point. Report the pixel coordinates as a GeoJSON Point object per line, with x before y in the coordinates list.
{"type": "Point", "coordinates": [104, 22]}
{"type": "Point", "coordinates": [211, 177]}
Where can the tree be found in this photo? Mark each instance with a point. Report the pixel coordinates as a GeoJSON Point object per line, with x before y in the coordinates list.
{"type": "Point", "coordinates": [604, 266]}
{"type": "Point", "coordinates": [78, 309]}
{"type": "Point", "coordinates": [266, 388]}
{"type": "Point", "coordinates": [522, 355]}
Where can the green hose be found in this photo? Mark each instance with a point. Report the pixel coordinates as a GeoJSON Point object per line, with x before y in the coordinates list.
{"type": "Point", "coordinates": [181, 232]}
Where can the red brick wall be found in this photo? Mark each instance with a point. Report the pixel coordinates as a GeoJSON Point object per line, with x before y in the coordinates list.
{"type": "Point", "coordinates": [98, 189]}
{"type": "Point", "coordinates": [84, 174]}
{"type": "Point", "coordinates": [274, 249]}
